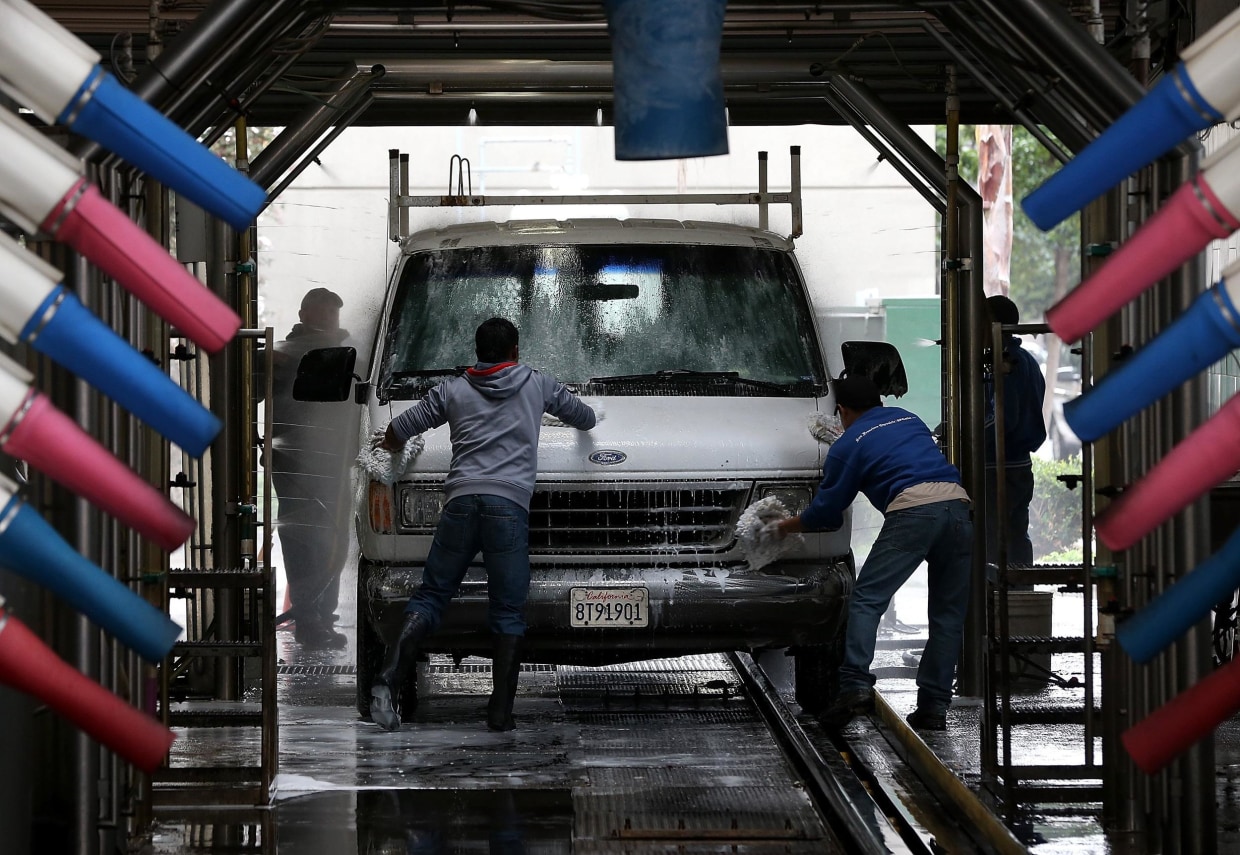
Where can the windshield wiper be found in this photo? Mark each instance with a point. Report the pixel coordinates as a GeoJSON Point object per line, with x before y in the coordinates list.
{"type": "Point", "coordinates": [668, 374]}
{"type": "Point", "coordinates": [716, 378]}
{"type": "Point", "coordinates": [429, 372]}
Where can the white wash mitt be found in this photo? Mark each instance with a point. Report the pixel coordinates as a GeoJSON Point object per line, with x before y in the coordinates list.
{"type": "Point", "coordinates": [595, 404]}
{"type": "Point", "coordinates": [387, 466]}
{"type": "Point", "coordinates": [825, 428]}
{"type": "Point", "coordinates": [755, 531]}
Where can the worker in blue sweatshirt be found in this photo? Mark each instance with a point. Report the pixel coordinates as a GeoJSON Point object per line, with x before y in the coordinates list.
{"type": "Point", "coordinates": [1024, 431]}
{"type": "Point", "coordinates": [889, 455]}
{"type": "Point", "coordinates": [494, 412]}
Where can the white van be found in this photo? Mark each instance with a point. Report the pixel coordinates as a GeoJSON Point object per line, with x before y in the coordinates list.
{"type": "Point", "coordinates": [699, 343]}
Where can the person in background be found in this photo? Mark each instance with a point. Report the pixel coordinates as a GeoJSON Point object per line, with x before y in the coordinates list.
{"type": "Point", "coordinates": [311, 476]}
{"type": "Point", "coordinates": [494, 412]}
{"type": "Point", "coordinates": [889, 455]}
{"type": "Point", "coordinates": [1024, 431]}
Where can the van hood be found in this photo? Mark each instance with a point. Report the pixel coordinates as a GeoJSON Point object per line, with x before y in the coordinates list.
{"type": "Point", "coordinates": [658, 437]}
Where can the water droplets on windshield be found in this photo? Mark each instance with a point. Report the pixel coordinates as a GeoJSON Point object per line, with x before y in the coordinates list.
{"type": "Point", "coordinates": [602, 310]}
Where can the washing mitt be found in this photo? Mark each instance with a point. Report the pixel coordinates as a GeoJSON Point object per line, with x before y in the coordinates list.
{"type": "Point", "coordinates": [825, 428]}
{"type": "Point", "coordinates": [755, 531]}
{"type": "Point", "coordinates": [387, 466]}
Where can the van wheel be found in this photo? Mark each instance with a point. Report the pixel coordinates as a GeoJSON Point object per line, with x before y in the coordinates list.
{"type": "Point", "coordinates": [816, 669]}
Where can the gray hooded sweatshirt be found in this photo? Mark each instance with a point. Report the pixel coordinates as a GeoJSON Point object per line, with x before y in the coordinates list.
{"type": "Point", "coordinates": [494, 413]}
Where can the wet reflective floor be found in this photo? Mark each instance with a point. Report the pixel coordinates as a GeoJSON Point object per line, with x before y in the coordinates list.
{"type": "Point", "coordinates": [653, 757]}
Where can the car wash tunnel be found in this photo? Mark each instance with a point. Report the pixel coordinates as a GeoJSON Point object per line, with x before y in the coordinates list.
{"type": "Point", "coordinates": [638, 426]}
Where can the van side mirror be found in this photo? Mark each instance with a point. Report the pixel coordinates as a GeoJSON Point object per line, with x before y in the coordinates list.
{"type": "Point", "coordinates": [325, 374]}
{"type": "Point", "coordinates": [879, 361]}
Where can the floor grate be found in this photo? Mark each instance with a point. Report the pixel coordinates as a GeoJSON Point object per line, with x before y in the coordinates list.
{"type": "Point", "coordinates": [316, 670]}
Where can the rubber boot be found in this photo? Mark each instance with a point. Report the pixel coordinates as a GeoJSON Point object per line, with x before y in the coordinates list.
{"type": "Point", "coordinates": [385, 692]}
{"type": "Point", "coordinates": [505, 668]}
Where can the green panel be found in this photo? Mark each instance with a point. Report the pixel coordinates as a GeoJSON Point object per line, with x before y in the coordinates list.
{"type": "Point", "coordinates": [911, 322]}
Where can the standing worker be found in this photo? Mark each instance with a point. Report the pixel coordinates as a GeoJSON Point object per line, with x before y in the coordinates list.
{"type": "Point", "coordinates": [311, 473]}
{"type": "Point", "coordinates": [889, 455]}
{"type": "Point", "coordinates": [1024, 431]}
{"type": "Point", "coordinates": [494, 413]}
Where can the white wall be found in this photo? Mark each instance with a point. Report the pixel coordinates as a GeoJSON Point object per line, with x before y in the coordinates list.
{"type": "Point", "coordinates": [866, 233]}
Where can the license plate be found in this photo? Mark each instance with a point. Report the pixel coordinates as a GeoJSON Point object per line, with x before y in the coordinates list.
{"type": "Point", "coordinates": [609, 607]}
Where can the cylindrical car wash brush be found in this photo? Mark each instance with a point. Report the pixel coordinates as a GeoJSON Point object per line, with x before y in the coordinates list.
{"type": "Point", "coordinates": [1203, 209]}
{"type": "Point", "coordinates": [41, 188]}
{"type": "Point", "coordinates": [1203, 90]}
{"type": "Point", "coordinates": [1206, 457]}
{"type": "Point", "coordinates": [33, 430]}
{"type": "Point", "coordinates": [62, 80]}
{"type": "Point", "coordinates": [32, 549]}
{"type": "Point", "coordinates": [1171, 614]}
{"type": "Point", "coordinates": [1174, 727]}
{"type": "Point", "coordinates": [36, 309]}
{"type": "Point", "coordinates": [1200, 337]}
{"type": "Point", "coordinates": [30, 666]}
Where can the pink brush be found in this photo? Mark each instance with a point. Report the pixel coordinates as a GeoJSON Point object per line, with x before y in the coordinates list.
{"type": "Point", "coordinates": [42, 188]}
{"type": "Point", "coordinates": [33, 430]}
{"type": "Point", "coordinates": [1191, 218]}
{"type": "Point", "coordinates": [1208, 456]}
{"type": "Point", "coordinates": [30, 666]}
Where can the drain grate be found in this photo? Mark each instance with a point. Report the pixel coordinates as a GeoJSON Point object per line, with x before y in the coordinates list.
{"type": "Point", "coordinates": [317, 670]}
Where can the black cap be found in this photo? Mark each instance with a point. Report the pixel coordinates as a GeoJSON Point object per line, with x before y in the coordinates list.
{"type": "Point", "coordinates": [321, 297]}
{"type": "Point", "coordinates": [857, 393]}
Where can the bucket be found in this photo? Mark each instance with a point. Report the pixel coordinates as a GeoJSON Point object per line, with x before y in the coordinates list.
{"type": "Point", "coordinates": [666, 82]}
{"type": "Point", "coordinates": [1029, 616]}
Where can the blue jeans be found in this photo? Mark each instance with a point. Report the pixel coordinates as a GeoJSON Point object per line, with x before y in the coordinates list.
{"type": "Point", "coordinates": [500, 529]}
{"type": "Point", "coordinates": [941, 534]}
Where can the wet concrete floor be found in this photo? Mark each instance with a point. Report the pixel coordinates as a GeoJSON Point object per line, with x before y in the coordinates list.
{"type": "Point", "coordinates": [586, 757]}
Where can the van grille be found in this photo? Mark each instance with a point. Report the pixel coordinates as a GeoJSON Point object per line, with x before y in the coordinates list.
{"type": "Point", "coordinates": [634, 520]}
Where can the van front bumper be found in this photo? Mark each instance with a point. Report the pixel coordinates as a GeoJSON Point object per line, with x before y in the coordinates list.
{"type": "Point", "coordinates": [692, 610]}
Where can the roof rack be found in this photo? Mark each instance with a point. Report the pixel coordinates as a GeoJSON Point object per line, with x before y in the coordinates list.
{"type": "Point", "coordinates": [399, 200]}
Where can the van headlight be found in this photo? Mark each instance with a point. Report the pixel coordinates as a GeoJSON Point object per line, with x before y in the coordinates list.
{"type": "Point", "coordinates": [795, 498]}
{"type": "Point", "coordinates": [420, 508]}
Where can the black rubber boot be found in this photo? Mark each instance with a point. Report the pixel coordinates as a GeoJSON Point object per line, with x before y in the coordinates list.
{"type": "Point", "coordinates": [505, 668]}
{"type": "Point", "coordinates": [385, 692]}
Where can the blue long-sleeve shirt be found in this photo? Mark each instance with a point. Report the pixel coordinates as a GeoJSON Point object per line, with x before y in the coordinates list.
{"type": "Point", "coordinates": [883, 453]}
{"type": "Point", "coordinates": [1024, 387]}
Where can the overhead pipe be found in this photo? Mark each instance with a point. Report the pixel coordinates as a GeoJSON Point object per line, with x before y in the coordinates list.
{"type": "Point", "coordinates": [346, 120]}
{"type": "Point", "coordinates": [984, 78]}
{"type": "Point", "coordinates": [1047, 33]}
{"type": "Point", "coordinates": [1063, 120]}
{"type": "Point", "coordinates": [182, 66]}
{"type": "Point", "coordinates": [274, 160]}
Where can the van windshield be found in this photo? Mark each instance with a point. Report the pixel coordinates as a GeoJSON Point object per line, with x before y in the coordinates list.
{"type": "Point", "coordinates": [611, 319]}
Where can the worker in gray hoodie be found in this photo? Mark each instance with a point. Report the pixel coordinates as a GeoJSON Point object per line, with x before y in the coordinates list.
{"type": "Point", "coordinates": [494, 413]}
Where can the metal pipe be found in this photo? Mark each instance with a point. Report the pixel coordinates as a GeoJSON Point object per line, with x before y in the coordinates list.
{"type": "Point", "coordinates": [344, 121]}
{"type": "Point", "coordinates": [1048, 34]}
{"type": "Point", "coordinates": [916, 180]}
{"type": "Point", "coordinates": [280, 154]}
{"type": "Point", "coordinates": [985, 78]}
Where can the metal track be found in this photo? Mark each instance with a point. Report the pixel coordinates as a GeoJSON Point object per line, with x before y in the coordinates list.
{"type": "Point", "coordinates": [853, 803]}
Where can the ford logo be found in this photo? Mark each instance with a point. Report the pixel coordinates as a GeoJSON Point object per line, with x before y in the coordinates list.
{"type": "Point", "coordinates": [608, 457]}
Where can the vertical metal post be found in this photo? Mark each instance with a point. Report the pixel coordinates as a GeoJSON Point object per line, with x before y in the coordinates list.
{"type": "Point", "coordinates": [404, 191]}
{"type": "Point", "coordinates": [764, 219]}
{"type": "Point", "coordinates": [798, 219]}
{"type": "Point", "coordinates": [394, 206]}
